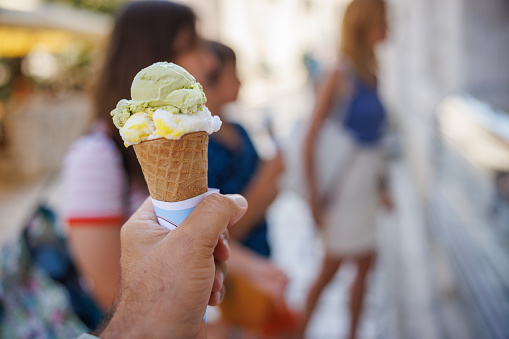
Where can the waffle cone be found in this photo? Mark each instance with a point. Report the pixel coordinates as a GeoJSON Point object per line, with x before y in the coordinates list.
{"type": "Point", "coordinates": [175, 170]}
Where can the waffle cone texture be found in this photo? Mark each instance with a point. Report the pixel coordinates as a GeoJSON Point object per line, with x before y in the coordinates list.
{"type": "Point", "coordinates": [175, 170]}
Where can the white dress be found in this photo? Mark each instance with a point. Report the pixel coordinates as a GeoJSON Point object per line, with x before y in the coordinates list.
{"type": "Point", "coordinates": [349, 226]}
{"type": "Point", "coordinates": [348, 174]}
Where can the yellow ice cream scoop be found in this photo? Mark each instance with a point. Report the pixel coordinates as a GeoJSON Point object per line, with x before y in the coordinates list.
{"type": "Point", "coordinates": [137, 129]}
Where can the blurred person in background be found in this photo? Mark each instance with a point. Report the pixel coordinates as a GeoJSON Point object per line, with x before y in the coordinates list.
{"type": "Point", "coordinates": [254, 297]}
{"type": "Point", "coordinates": [349, 98]}
{"type": "Point", "coordinates": [102, 180]}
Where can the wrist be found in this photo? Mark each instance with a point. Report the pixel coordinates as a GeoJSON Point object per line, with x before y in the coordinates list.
{"type": "Point", "coordinates": [131, 321]}
{"type": "Point", "coordinates": [313, 195]}
{"type": "Point", "coordinates": [124, 324]}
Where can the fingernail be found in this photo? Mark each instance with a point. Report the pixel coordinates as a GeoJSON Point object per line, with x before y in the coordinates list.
{"type": "Point", "coordinates": [220, 278]}
{"type": "Point", "coordinates": [239, 199]}
{"type": "Point", "coordinates": [221, 297]}
{"type": "Point", "coordinates": [226, 243]}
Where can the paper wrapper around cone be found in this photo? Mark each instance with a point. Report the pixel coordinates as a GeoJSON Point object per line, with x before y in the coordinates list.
{"type": "Point", "coordinates": [175, 170]}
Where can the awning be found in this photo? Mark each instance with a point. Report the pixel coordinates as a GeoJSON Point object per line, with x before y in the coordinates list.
{"type": "Point", "coordinates": [53, 26]}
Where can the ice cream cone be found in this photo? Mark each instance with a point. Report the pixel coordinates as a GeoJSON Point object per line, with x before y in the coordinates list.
{"type": "Point", "coordinates": [175, 170]}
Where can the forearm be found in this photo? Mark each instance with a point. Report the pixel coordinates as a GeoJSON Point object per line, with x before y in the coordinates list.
{"type": "Point", "coordinates": [323, 105]}
{"type": "Point", "coordinates": [383, 183]}
{"type": "Point", "coordinates": [260, 194]}
{"type": "Point", "coordinates": [133, 321]}
{"type": "Point", "coordinates": [309, 161]}
{"type": "Point", "coordinates": [240, 257]}
{"type": "Point", "coordinates": [96, 250]}
{"type": "Point", "coordinates": [384, 174]}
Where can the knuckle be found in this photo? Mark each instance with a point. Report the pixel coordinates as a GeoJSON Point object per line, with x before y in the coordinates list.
{"type": "Point", "coordinates": [215, 199]}
{"type": "Point", "coordinates": [217, 203]}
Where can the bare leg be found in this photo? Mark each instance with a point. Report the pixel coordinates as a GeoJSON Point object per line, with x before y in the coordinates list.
{"type": "Point", "coordinates": [329, 268]}
{"type": "Point", "coordinates": [358, 291]}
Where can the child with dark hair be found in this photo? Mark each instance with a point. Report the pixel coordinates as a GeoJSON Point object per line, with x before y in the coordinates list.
{"type": "Point", "coordinates": [234, 159]}
{"type": "Point", "coordinates": [254, 297]}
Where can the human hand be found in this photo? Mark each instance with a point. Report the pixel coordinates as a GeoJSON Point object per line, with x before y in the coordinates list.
{"type": "Point", "coordinates": [268, 278]}
{"type": "Point", "coordinates": [317, 212]}
{"type": "Point", "coordinates": [386, 200]}
{"type": "Point", "coordinates": [168, 278]}
{"type": "Point", "coordinates": [260, 271]}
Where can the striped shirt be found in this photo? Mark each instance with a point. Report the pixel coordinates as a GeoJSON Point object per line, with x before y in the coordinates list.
{"type": "Point", "coordinates": [95, 186]}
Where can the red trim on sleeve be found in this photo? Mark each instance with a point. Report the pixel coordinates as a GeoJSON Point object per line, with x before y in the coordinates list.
{"type": "Point", "coordinates": [96, 221]}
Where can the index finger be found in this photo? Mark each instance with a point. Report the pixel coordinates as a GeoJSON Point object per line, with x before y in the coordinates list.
{"type": "Point", "coordinates": [145, 212]}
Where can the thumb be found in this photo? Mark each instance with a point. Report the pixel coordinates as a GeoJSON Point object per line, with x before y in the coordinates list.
{"type": "Point", "coordinates": [213, 215]}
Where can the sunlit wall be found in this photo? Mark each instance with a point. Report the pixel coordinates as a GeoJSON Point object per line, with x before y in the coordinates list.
{"type": "Point", "coordinates": [436, 47]}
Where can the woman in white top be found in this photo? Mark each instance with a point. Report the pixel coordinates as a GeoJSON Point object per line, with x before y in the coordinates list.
{"type": "Point", "coordinates": [345, 216]}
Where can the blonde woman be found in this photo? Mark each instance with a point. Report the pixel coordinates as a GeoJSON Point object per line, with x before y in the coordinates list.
{"type": "Point", "coordinates": [349, 98]}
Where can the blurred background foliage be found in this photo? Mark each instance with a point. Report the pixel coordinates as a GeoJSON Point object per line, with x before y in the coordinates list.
{"type": "Point", "coordinates": [49, 51]}
{"type": "Point", "coordinates": [101, 6]}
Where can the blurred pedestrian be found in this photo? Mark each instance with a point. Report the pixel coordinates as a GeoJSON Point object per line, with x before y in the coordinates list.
{"type": "Point", "coordinates": [102, 180]}
{"type": "Point", "coordinates": [255, 287]}
{"type": "Point", "coordinates": [350, 99]}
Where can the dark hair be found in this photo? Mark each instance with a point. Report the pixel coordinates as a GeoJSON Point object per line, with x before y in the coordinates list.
{"type": "Point", "coordinates": [224, 55]}
{"type": "Point", "coordinates": [145, 32]}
